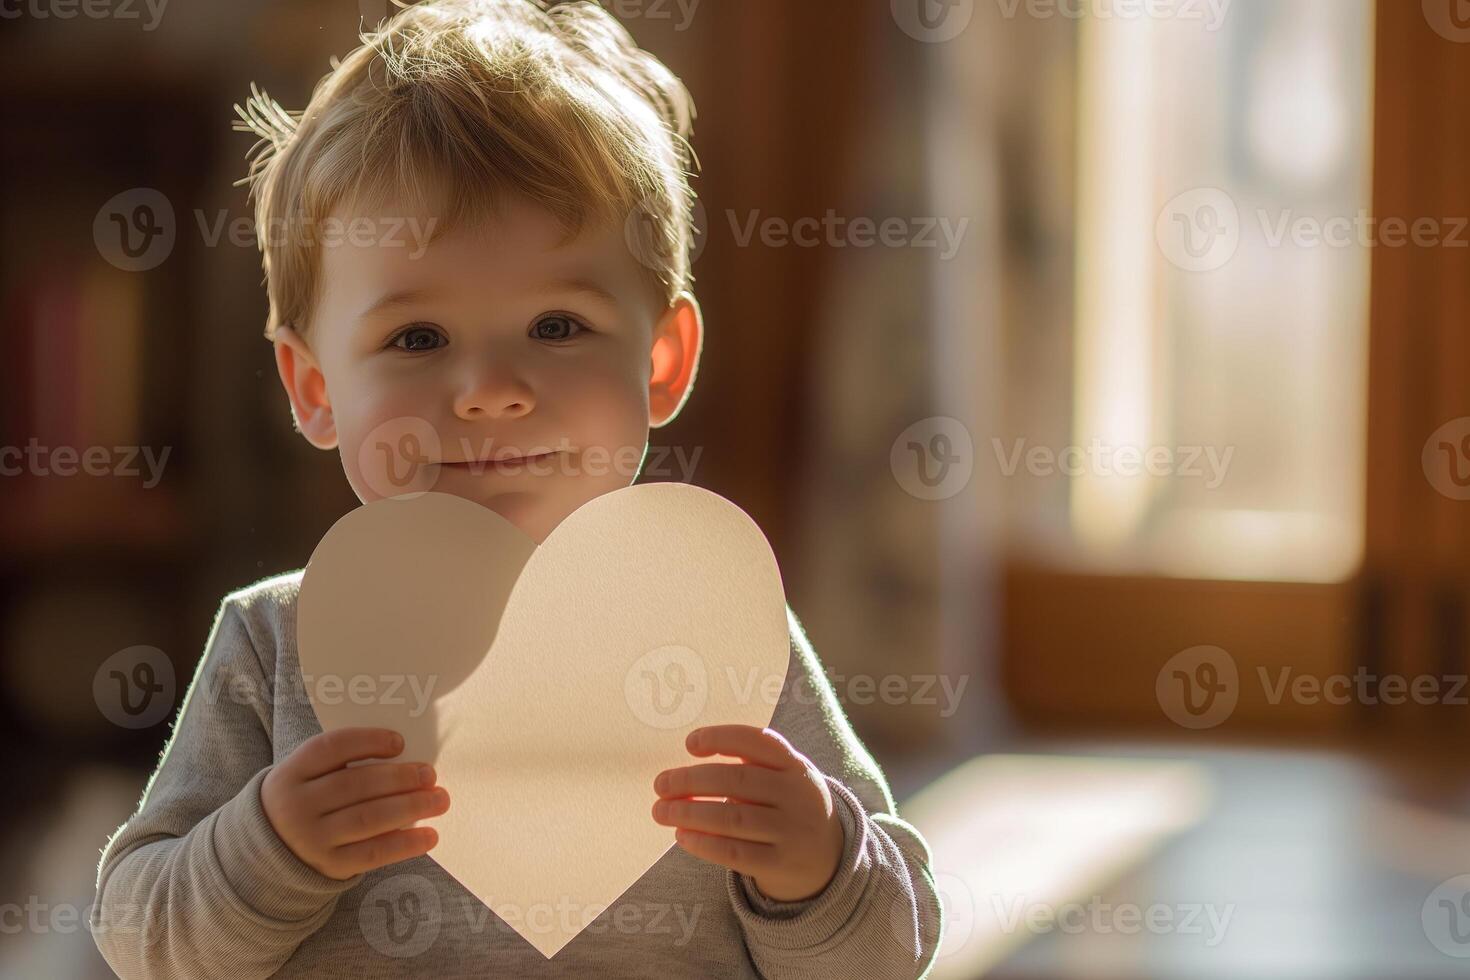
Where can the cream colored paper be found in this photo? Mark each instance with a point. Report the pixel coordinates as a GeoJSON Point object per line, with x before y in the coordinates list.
{"type": "Point", "coordinates": [562, 678]}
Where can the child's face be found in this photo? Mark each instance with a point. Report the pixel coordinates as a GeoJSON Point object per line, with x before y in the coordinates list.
{"type": "Point", "coordinates": [431, 368]}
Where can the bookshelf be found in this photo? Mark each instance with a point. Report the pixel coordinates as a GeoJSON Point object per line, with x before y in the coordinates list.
{"type": "Point", "coordinates": [125, 362]}
{"type": "Point", "coordinates": [100, 515]}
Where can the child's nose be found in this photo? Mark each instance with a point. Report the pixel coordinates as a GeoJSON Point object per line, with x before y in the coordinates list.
{"type": "Point", "coordinates": [492, 392]}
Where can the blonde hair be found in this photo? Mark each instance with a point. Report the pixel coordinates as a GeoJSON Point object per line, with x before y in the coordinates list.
{"type": "Point", "coordinates": [478, 98]}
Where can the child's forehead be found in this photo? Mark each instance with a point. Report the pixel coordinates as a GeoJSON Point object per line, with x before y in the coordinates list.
{"type": "Point", "coordinates": [489, 221]}
{"type": "Point", "coordinates": [514, 233]}
{"type": "Point", "coordinates": [397, 244]}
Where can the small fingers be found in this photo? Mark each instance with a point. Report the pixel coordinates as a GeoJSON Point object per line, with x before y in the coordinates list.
{"type": "Point", "coordinates": [749, 784]}
{"type": "Point", "coordinates": [332, 750]}
{"type": "Point", "coordinates": [762, 746]}
{"type": "Point", "coordinates": [743, 856]}
{"type": "Point", "coordinates": [373, 817]}
{"type": "Point", "coordinates": [389, 848]}
{"type": "Point", "coordinates": [740, 821]}
{"type": "Point", "coordinates": [344, 787]}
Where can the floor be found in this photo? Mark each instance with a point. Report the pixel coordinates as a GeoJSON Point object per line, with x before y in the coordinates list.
{"type": "Point", "coordinates": [1056, 859]}
{"type": "Point", "coordinates": [1131, 860]}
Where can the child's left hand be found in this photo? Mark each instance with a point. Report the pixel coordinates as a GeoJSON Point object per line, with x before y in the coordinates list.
{"type": "Point", "coordinates": [777, 823]}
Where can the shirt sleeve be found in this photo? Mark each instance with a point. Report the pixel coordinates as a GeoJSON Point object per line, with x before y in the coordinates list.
{"type": "Point", "coordinates": [879, 917]}
{"type": "Point", "coordinates": [197, 882]}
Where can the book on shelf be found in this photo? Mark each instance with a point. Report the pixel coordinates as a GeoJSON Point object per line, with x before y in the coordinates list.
{"type": "Point", "coordinates": [77, 330]}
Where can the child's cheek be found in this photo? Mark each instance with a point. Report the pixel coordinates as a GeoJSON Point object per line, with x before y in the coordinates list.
{"type": "Point", "coordinates": [389, 451]}
{"type": "Point", "coordinates": [609, 404]}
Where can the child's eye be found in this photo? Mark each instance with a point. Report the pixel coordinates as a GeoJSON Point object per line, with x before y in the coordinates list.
{"type": "Point", "coordinates": [418, 337]}
{"type": "Point", "coordinates": [556, 326]}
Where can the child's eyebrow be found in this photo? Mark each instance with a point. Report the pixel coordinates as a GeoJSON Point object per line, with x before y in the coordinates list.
{"type": "Point", "coordinates": [393, 300]}
{"type": "Point", "coordinates": [581, 284]}
{"type": "Point", "coordinates": [408, 297]}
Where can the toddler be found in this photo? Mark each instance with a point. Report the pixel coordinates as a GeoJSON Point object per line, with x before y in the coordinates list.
{"type": "Point", "coordinates": [476, 242]}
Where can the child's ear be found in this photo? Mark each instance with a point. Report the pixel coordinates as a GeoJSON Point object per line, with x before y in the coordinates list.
{"type": "Point", "coordinates": [306, 386]}
{"type": "Point", "coordinates": [678, 338]}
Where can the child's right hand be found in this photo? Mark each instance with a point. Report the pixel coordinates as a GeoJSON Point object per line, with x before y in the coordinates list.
{"type": "Point", "coordinates": [343, 820]}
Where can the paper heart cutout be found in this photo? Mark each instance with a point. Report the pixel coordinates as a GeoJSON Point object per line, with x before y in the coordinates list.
{"type": "Point", "coordinates": [548, 685]}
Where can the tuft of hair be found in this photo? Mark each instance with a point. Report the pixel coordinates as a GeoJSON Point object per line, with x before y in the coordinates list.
{"type": "Point", "coordinates": [453, 105]}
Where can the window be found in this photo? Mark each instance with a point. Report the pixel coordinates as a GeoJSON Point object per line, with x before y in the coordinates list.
{"type": "Point", "coordinates": [1221, 305]}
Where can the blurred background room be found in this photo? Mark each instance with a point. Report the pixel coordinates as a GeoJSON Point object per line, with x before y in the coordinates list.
{"type": "Point", "coordinates": [1099, 371]}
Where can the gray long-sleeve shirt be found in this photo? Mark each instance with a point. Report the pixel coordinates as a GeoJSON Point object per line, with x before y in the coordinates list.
{"type": "Point", "coordinates": [197, 883]}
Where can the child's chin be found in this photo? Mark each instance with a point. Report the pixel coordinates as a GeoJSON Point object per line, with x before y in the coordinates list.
{"type": "Point", "coordinates": [526, 510]}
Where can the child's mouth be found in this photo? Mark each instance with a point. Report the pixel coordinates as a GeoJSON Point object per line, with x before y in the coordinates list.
{"type": "Point", "coordinates": [502, 464]}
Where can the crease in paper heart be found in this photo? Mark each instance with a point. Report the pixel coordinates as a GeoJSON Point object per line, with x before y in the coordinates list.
{"type": "Point", "coordinates": [548, 685]}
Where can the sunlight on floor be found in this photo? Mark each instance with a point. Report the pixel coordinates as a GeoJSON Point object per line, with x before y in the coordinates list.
{"type": "Point", "coordinates": [56, 890]}
{"type": "Point", "coordinates": [1017, 836]}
